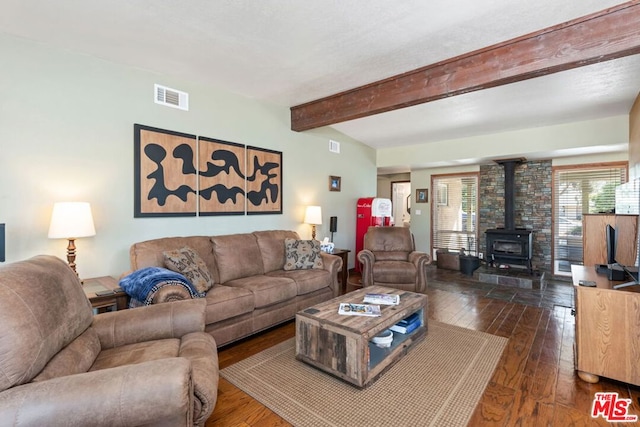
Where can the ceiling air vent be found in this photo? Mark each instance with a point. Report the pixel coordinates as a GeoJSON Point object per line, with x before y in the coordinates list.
{"type": "Point", "coordinates": [334, 146]}
{"type": "Point", "coordinates": [170, 97]}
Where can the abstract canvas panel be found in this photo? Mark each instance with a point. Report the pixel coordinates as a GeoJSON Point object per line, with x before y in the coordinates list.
{"type": "Point", "coordinates": [179, 174]}
{"type": "Point", "coordinates": [264, 181]}
{"type": "Point", "coordinates": [165, 173]}
{"type": "Point", "coordinates": [221, 179]}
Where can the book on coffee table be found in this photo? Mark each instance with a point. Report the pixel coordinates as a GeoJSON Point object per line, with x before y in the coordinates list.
{"type": "Point", "coordinates": [408, 324]}
{"type": "Point", "coordinates": [349, 309]}
{"type": "Point", "coordinates": [384, 299]}
{"type": "Point", "coordinates": [406, 329]}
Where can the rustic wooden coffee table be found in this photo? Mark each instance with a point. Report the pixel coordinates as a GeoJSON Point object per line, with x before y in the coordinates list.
{"type": "Point", "coordinates": [341, 345]}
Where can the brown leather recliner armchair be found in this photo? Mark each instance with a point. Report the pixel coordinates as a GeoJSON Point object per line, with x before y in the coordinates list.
{"type": "Point", "coordinates": [389, 259]}
{"type": "Point", "coordinates": [62, 366]}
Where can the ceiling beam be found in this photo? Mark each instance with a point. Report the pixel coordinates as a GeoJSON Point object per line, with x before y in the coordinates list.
{"type": "Point", "coordinates": [602, 36]}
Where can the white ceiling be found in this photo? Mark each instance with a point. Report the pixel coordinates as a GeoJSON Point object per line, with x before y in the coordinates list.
{"type": "Point", "coordinates": [288, 52]}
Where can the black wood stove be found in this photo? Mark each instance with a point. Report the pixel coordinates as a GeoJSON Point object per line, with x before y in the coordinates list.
{"type": "Point", "coordinates": [510, 245]}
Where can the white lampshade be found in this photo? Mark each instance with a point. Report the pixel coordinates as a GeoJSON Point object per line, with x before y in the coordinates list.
{"type": "Point", "coordinates": [313, 215]}
{"type": "Point", "coordinates": [71, 220]}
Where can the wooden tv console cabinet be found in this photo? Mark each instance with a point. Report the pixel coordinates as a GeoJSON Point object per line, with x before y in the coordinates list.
{"type": "Point", "coordinates": [607, 341]}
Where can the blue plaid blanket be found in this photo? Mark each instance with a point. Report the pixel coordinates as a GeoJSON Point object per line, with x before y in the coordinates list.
{"type": "Point", "coordinates": [142, 284]}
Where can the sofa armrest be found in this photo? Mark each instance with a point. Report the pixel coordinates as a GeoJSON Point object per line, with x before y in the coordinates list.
{"type": "Point", "coordinates": [200, 349]}
{"type": "Point", "coordinates": [125, 274]}
{"type": "Point", "coordinates": [420, 260]}
{"type": "Point", "coordinates": [417, 258]}
{"type": "Point", "coordinates": [367, 258]}
{"type": "Point", "coordinates": [149, 323]}
{"type": "Point", "coordinates": [157, 392]}
{"type": "Point", "coordinates": [170, 293]}
{"type": "Point", "coordinates": [333, 264]}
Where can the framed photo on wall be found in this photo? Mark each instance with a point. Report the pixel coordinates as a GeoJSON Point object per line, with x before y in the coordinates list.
{"type": "Point", "coordinates": [422, 195]}
{"type": "Point", "coordinates": [335, 183]}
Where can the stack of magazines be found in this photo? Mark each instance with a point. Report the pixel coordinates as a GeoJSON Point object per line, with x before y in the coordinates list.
{"type": "Point", "coordinates": [359, 309]}
{"type": "Point", "coordinates": [408, 324]}
{"type": "Point", "coordinates": [384, 299]}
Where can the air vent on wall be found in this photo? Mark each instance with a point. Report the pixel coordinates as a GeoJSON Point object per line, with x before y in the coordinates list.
{"type": "Point", "coordinates": [334, 146]}
{"type": "Point", "coordinates": [170, 97]}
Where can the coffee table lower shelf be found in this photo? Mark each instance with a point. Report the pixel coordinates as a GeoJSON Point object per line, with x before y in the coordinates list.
{"type": "Point", "coordinates": [341, 345]}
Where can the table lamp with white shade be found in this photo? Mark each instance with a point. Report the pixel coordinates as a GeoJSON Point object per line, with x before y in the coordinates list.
{"type": "Point", "coordinates": [71, 220]}
{"type": "Point", "coordinates": [313, 216]}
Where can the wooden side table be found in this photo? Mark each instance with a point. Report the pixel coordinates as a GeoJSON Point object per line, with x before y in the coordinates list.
{"type": "Point", "coordinates": [344, 273]}
{"type": "Point", "coordinates": [105, 294]}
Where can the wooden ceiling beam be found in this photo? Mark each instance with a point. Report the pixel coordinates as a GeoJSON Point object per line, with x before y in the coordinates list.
{"type": "Point", "coordinates": [602, 36]}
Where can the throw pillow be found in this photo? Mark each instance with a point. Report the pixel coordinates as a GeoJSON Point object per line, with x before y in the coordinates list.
{"type": "Point", "coordinates": [302, 254]}
{"type": "Point", "coordinates": [187, 262]}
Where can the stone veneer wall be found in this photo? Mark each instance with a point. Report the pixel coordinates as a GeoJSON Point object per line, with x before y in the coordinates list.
{"type": "Point", "coordinates": [533, 201]}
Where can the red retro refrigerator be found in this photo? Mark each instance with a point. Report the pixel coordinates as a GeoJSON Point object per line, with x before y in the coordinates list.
{"type": "Point", "coordinates": [371, 211]}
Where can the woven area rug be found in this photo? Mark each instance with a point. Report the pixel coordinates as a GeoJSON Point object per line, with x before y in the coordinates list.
{"type": "Point", "coordinates": [438, 383]}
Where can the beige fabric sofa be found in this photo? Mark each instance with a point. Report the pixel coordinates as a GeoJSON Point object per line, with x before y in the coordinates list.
{"type": "Point", "coordinates": [252, 291]}
{"type": "Point", "coordinates": [62, 366]}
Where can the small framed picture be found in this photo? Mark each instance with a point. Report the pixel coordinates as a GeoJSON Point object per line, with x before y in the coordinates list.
{"type": "Point", "coordinates": [334, 183]}
{"type": "Point", "coordinates": [422, 195]}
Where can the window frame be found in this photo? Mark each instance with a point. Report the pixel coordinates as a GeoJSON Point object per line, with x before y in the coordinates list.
{"type": "Point", "coordinates": [440, 201]}
{"type": "Point", "coordinates": [556, 209]}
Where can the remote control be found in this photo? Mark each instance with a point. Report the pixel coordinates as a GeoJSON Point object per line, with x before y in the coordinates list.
{"type": "Point", "coordinates": [589, 283]}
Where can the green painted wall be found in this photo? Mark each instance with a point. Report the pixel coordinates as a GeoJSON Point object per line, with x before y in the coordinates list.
{"type": "Point", "coordinates": [66, 132]}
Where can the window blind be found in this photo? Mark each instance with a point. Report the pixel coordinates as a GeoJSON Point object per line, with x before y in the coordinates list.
{"type": "Point", "coordinates": [454, 222]}
{"type": "Point", "coordinates": [580, 190]}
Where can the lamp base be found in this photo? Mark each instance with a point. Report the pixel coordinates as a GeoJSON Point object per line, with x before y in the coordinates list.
{"type": "Point", "coordinates": [71, 255]}
{"type": "Point", "coordinates": [313, 232]}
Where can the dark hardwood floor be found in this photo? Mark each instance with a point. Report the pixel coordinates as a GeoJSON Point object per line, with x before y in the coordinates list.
{"type": "Point", "coordinates": [534, 383]}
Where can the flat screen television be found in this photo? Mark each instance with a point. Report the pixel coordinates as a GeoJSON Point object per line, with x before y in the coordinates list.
{"type": "Point", "coordinates": [610, 234]}
{"type": "Point", "coordinates": [633, 275]}
{"type": "Point", "coordinates": [2, 256]}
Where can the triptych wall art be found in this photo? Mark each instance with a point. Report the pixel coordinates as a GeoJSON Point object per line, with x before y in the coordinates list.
{"type": "Point", "coordinates": [178, 174]}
